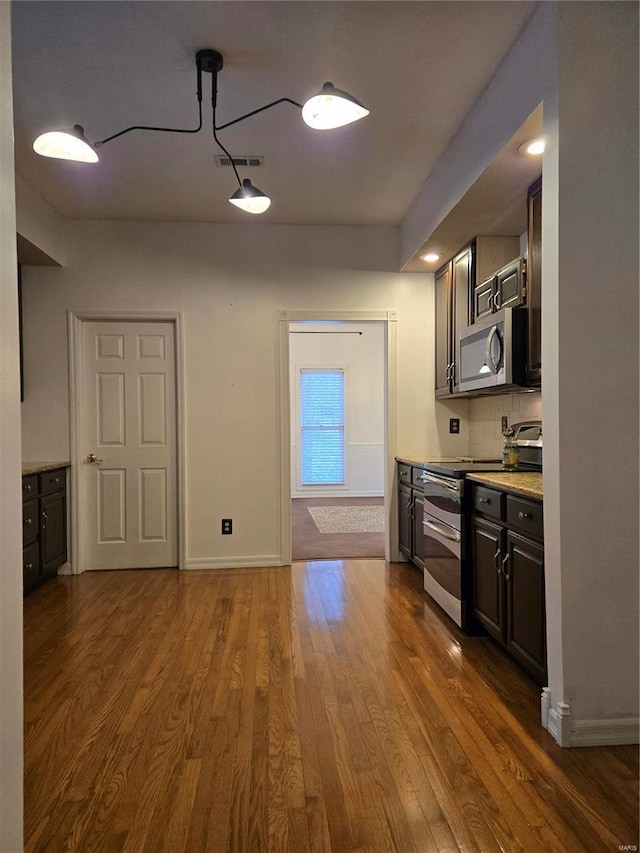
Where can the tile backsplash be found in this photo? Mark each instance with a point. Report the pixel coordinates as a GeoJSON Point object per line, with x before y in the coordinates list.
{"type": "Point", "coordinates": [486, 413]}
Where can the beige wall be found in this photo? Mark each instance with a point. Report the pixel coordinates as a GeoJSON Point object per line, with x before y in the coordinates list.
{"type": "Point", "coordinates": [230, 282]}
{"type": "Point", "coordinates": [10, 496]}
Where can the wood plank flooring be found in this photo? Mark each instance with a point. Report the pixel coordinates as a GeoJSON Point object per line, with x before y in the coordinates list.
{"type": "Point", "coordinates": [324, 707]}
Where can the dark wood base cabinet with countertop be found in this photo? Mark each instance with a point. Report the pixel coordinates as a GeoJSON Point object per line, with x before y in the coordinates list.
{"type": "Point", "coordinates": [410, 512]}
{"type": "Point", "coordinates": [508, 575]}
{"type": "Point", "coordinates": [44, 526]}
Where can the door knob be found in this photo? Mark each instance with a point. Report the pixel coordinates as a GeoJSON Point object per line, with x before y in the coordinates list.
{"type": "Point", "coordinates": [93, 459]}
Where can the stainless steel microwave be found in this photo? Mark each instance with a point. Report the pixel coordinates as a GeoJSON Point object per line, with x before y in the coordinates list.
{"type": "Point", "coordinates": [493, 352]}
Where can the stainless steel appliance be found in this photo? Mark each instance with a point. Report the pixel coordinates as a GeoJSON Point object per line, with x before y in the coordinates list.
{"type": "Point", "coordinates": [446, 573]}
{"type": "Point", "coordinates": [493, 352]}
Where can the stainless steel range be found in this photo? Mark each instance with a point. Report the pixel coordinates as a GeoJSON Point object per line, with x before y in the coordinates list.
{"type": "Point", "coordinates": [446, 571]}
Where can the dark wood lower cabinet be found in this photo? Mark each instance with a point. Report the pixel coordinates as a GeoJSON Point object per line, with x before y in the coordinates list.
{"type": "Point", "coordinates": [526, 625]}
{"type": "Point", "coordinates": [44, 523]}
{"type": "Point", "coordinates": [488, 598]}
{"type": "Point", "coordinates": [508, 578]}
{"type": "Point", "coordinates": [410, 512]}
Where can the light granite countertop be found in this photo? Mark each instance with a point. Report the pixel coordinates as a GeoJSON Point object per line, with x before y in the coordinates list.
{"type": "Point", "coordinates": [526, 483]}
{"type": "Point", "coordinates": [39, 467]}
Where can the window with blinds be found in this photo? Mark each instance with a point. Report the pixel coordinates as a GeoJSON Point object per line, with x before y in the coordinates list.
{"type": "Point", "coordinates": [321, 427]}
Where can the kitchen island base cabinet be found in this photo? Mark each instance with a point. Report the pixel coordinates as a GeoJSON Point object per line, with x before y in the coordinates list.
{"type": "Point", "coordinates": [508, 576]}
{"type": "Point", "coordinates": [44, 525]}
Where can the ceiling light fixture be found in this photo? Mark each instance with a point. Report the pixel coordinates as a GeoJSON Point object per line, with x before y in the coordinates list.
{"type": "Point", "coordinates": [329, 108]}
{"type": "Point", "coordinates": [431, 257]}
{"type": "Point", "coordinates": [533, 147]}
{"type": "Point", "coordinates": [70, 144]}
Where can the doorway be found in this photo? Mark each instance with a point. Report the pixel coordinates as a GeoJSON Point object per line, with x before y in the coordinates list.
{"type": "Point", "coordinates": [370, 496]}
{"type": "Point", "coordinates": [126, 442]}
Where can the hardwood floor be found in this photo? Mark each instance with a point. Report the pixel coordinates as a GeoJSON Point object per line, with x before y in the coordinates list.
{"type": "Point", "coordinates": [324, 707]}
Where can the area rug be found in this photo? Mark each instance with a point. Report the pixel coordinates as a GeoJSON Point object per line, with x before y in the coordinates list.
{"type": "Point", "coordinates": [348, 519]}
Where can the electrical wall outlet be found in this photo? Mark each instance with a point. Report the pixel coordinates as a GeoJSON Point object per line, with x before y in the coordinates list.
{"type": "Point", "coordinates": [505, 423]}
{"type": "Point", "coordinates": [454, 425]}
{"type": "Point", "coordinates": [227, 526]}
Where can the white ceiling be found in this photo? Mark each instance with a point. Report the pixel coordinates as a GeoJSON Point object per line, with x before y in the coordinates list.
{"type": "Point", "coordinates": [418, 66]}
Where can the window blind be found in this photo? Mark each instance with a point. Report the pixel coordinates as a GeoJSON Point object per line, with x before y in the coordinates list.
{"type": "Point", "coordinates": [321, 427]}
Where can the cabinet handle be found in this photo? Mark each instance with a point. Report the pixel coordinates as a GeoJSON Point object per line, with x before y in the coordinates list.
{"type": "Point", "coordinates": [504, 571]}
{"type": "Point", "coordinates": [27, 488]}
{"type": "Point", "coordinates": [496, 561]}
{"type": "Point", "coordinates": [29, 566]}
{"type": "Point", "coordinates": [490, 302]}
{"type": "Point", "coordinates": [523, 515]}
{"type": "Point", "coordinates": [54, 479]}
{"type": "Point", "coordinates": [497, 301]}
{"type": "Point", "coordinates": [485, 500]}
{"type": "Point", "coordinates": [27, 521]}
{"type": "Point", "coordinates": [44, 520]}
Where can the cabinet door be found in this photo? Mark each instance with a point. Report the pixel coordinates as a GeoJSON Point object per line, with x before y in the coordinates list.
{"type": "Point", "coordinates": [404, 519]}
{"type": "Point", "coordinates": [442, 330]}
{"type": "Point", "coordinates": [30, 567]}
{"type": "Point", "coordinates": [509, 289]}
{"type": "Point", "coordinates": [53, 532]}
{"type": "Point", "coordinates": [418, 529]}
{"type": "Point", "coordinates": [483, 298]}
{"type": "Point", "coordinates": [488, 592]}
{"type": "Point", "coordinates": [526, 622]}
{"type": "Point", "coordinates": [534, 284]}
{"type": "Point", "coordinates": [29, 522]}
{"type": "Point", "coordinates": [461, 274]}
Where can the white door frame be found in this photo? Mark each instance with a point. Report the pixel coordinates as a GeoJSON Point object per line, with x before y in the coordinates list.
{"type": "Point", "coordinates": [75, 327]}
{"type": "Point", "coordinates": [390, 320]}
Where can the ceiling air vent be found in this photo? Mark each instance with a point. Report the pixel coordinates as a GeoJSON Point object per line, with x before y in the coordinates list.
{"type": "Point", "coordinates": [239, 161]}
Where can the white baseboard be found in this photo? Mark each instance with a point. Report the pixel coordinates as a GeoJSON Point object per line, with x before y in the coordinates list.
{"type": "Point", "coordinates": [257, 562]}
{"type": "Point", "coordinates": [617, 732]}
{"type": "Point", "coordinates": [612, 732]}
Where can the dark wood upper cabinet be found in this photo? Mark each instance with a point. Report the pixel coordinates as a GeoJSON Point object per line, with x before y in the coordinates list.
{"type": "Point", "coordinates": [534, 283]}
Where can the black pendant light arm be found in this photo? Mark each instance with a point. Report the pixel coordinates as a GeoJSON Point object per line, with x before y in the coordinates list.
{"type": "Point", "coordinates": [167, 129]}
{"type": "Point", "coordinates": [259, 110]}
{"type": "Point", "coordinates": [214, 102]}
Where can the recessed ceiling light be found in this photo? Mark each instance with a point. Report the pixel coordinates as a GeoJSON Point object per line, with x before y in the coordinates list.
{"type": "Point", "coordinates": [431, 257]}
{"type": "Point", "coordinates": [533, 147]}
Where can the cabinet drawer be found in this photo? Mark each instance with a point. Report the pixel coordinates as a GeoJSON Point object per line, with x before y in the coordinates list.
{"type": "Point", "coordinates": [404, 473]}
{"type": "Point", "coordinates": [52, 481]}
{"type": "Point", "coordinates": [29, 522]}
{"type": "Point", "coordinates": [525, 515]}
{"type": "Point", "coordinates": [29, 486]}
{"type": "Point", "coordinates": [417, 480]}
{"type": "Point", "coordinates": [30, 566]}
{"type": "Point", "coordinates": [488, 501]}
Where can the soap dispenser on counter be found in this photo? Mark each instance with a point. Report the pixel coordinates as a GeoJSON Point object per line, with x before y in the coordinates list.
{"type": "Point", "coordinates": [510, 450]}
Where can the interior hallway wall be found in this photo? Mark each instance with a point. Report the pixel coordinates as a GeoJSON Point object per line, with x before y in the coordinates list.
{"type": "Point", "coordinates": [230, 282]}
{"type": "Point", "coordinates": [11, 713]}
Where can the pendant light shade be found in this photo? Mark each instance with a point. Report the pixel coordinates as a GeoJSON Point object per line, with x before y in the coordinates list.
{"type": "Point", "coordinates": [250, 198]}
{"type": "Point", "coordinates": [331, 108]}
{"type": "Point", "coordinates": [70, 144]}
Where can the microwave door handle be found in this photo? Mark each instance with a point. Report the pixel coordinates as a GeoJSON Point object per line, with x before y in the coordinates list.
{"type": "Point", "coordinates": [493, 367]}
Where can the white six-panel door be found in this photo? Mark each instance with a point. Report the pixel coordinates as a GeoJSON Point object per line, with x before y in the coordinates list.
{"type": "Point", "coordinates": [128, 423]}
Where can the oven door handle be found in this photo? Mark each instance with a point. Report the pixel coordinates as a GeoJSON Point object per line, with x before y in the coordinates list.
{"type": "Point", "coordinates": [442, 530]}
{"type": "Point", "coordinates": [443, 481]}
{"type": "Point", "coordinates": [493, 367]}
